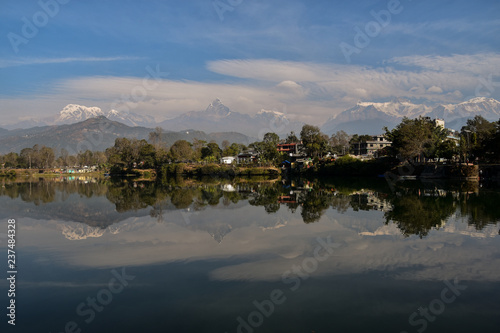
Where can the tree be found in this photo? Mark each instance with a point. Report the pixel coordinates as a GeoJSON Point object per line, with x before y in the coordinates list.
{"type": "Point", "coordinates": [315, 143]}
{"type": "Point", "coordinates": [340, 142]}
{"type": "Point", "coordinates": [291, 138]}
{"type": "Point", "coordinates": [64, 157]}
{"type": "Point", "coordinates": [360, 138]}
{"type": "Point", "coordinates": [415, 137]}
{"type": "Point", "coordinates": [477, 137]}
{"type": "Point", "coordinates": [267, 150]}
{"type": "Point", "coordinates": [181, 150]}
{"type": "Point", "coordinates": [271, 138]}
{"type": "Point", "coordinates": [232, 150]}
{"type": "Point", "coordinates": [198, 146]}
{"type": "Point", "coordinates": [10, 160]}
{"type": "Point", "coordinates": [27, 158]}
{"type": "Point", "coordinates": [446, 149]}
{"type": "Point", "coordinates": [147, 155]}
{"type": "Point", "coordinates": [86, 158]}
{"type": "Point", "coordinates": [225, 144]}
{"type": "Point", "coordinates": [211, 150]}
{"type": "Point", "coordinates": [47, 157]}
{"type": "Point", "coordinates": [155, 138]}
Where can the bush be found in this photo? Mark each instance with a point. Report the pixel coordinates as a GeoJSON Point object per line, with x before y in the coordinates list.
{"type": "Point", "coordinates": [8, 174]}
{"type": "Point", "coordinates": [350, 166]}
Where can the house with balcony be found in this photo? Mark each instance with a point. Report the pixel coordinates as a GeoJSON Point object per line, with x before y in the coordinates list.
{"type": "Point", "coordinates": [293, 150]}
{"type": "Point", "coordinates": [370, 147]}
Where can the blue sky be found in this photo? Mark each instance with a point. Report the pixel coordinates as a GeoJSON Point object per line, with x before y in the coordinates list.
{"type": "Point", "coordinates": [163, 58]}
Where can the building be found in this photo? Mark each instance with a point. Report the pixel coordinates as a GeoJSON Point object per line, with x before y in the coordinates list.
{"type": "Point", "coordinates": [247, 157]}
{"type": "Point", "coordinates": [293, 150]}
{"type": "Point", "coordinates": [227, 160]}
{"type": "Point", "coordinates": [289, 148]}
{"type": "Point", "coordinates": [370, 147]}
{"type": "Point", "coordinates": [439, 123]}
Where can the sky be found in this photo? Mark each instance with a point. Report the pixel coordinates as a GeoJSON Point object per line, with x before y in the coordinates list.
{"type": "Point", "coordinates": [309, 59]}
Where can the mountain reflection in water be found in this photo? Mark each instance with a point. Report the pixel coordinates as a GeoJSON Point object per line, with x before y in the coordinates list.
{"type": "Point", "coordinates": [414, 207]}
{"type": "Point", "coordinates": [204, 251]}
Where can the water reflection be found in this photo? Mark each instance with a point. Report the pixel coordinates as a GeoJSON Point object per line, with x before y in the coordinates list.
{"type": "Point", "coordinates": [415, 208]}
{"type": "Point", "coordinates": [204, 251]}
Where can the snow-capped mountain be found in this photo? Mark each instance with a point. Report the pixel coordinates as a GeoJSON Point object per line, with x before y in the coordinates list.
{"type": "Point", "coordinates": [77, 231]}
{"type": "Point", "coordinates": [489, 108]}
{"type": "Point", "coordinates": [131, 119]}
{"type": "Point", "coordinates": [73, 113]}
{"type": "Point", "coordinates": [370, 118]}
{"type": "Point", "coordinates": [217, 109]}
{"type": "Point", "coordinates": [219, 118]}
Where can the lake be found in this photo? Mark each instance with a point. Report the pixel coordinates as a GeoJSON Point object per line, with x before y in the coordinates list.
{"type": "Point", "coordinates": [317, 255]}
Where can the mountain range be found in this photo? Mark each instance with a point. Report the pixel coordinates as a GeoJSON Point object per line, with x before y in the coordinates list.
{"type": "Point", "coordinates": [219, 118]}
{"type": "Point", "coordinates": [215, 118]}
{"type": "Point", "coordinates": [78, 126]}
{"type": "Point", "coordinates": [97, 134]}
{"type": "Point", "coordinates": [370, 118]}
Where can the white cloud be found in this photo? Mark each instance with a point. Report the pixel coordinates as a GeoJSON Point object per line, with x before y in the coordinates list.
{"type": "Point", "coordinates": [434, 90]}
{"type": "Point", "coordinates": [321, 89]}
{"type": "Point", "coordinates": [291, 87]}
{"type": "Point", "coordinates": [5, 63]}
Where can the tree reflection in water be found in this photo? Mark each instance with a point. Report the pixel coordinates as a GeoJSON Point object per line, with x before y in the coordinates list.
{"type": "Point", "coordinates": [414, 207]}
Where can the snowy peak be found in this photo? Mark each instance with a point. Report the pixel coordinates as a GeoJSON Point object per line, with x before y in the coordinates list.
{"type": "Point", "coordinates": [371, 117]}
{"type": "Point", "coordinates": [79, 232]}
{"type": "Point", "coordinates": [219, 118]}
{"type": "Point", "coordinates": [218, 109]}
{"type": "Point", "coordinates": [477, 100]}
{"type": "Point", "coordinates": [271, 113]}
{"type": "Point", "coordinates": [75, 113]}
{"type": "Point", "coordinates": [131, 119]}
{"type": "Point", "coordinates": [489, 108]}
{"type": "Point", "coordinates": [395, 109]}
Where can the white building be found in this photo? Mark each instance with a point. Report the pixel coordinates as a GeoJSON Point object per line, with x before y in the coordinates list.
{"type": "Point", "coordinates": [227, 160]}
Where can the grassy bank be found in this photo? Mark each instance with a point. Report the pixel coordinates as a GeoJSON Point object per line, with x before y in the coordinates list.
{"type": "Point", "coordinates": [215, 170]}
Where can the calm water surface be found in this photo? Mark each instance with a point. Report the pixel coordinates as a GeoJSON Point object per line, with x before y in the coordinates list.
{"type": "Point", "coordinates": [336, 255]}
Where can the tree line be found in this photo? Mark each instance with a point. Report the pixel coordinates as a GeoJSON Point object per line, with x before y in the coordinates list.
{"type": "Point", "coordinates": [411, 139]}
{"type": "Point", "coordinates": [420, 138]}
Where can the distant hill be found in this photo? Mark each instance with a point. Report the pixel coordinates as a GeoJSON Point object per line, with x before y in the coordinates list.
{"type": "Point", "coordinates": [97, 134]}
